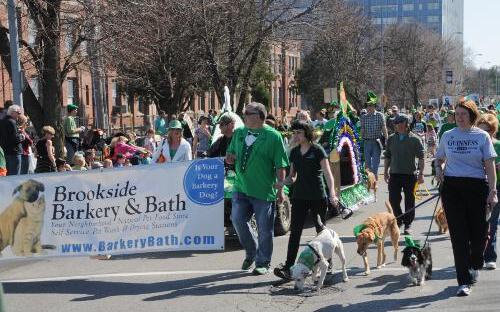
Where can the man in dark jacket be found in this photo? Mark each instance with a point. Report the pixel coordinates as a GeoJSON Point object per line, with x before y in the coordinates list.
{"type": "Point", "coordinates": [10, 140]}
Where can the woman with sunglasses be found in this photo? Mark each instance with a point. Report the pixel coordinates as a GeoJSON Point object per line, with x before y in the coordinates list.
{"type": "Point", "coordinates": [308, 164]}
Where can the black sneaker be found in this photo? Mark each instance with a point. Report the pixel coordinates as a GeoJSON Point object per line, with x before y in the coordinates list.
{"type": "Point", "coordinates": [283, 272]}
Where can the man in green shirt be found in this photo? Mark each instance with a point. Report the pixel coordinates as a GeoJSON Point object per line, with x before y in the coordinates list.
{"type": "Point", "coordinates": [260, 160]}
{"type": "Point", "coordinates": [450, 123]}
{"type": "Point", "coordinates": [71, 133]}
{"type": "Point", "coordinates": [400, 171]}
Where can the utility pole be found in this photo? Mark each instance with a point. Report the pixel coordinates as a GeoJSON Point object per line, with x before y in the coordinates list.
{"type": "Point", "coordinates": [17, 88]}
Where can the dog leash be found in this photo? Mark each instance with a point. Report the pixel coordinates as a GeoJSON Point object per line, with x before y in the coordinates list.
{"type": "Point", "coordinates": [433, 214]}
{"type": "Point", "coordinates": [420, 204]}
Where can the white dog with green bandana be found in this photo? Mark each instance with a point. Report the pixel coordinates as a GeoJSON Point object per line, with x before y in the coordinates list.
{"type": "Point", "coordinates": [315, 257]}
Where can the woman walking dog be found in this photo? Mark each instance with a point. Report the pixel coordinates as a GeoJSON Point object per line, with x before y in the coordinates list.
{"type": "Point", "coordinates": [469, 190]}
{"type": "Point", "coordinates": [308, 164]}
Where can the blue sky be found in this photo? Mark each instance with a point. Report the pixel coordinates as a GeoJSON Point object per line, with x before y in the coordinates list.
{"type": "Point", "coordinates": [482, 30]}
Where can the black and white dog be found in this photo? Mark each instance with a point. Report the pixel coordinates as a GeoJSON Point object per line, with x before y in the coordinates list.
{"type": "Point", "coordinates": [314, 259]}
{"type": "Point", "coordinates": [419, 263]}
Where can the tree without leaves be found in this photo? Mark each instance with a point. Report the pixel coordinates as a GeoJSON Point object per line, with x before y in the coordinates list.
{"type": "Point", "coordinates": [53, 20]}
{"type": "Point", "coordinates": [414, 62]}
{"type": "Point", "coordinates": [343, 50]}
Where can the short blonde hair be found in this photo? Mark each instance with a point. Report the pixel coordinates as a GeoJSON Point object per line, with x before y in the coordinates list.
{"type": "Point", "coordinates": [78, 159]}
{"type": "Point", "coordinates": [48, 129]}
{"type": "Point", "coordinates": [490, 120]}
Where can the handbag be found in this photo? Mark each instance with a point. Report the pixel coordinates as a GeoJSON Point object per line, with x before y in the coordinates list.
{"type": "Point", "coordinates": [162, 158]}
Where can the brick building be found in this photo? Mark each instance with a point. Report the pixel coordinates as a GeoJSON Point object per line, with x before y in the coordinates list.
{"type": "Point", "coordinates": [127, 111]}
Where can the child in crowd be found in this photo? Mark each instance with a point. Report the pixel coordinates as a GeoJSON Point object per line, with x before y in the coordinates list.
{"type": "Point", "coordinates": [62, 166]}
{"type": "Point", "coordinates": [107, 163]}
{"type": "Point", "coordinates": [150, 142]}
{"type": "Point", "coordinates": [120, 160]}
{"type": "Point", "coordinates": [79, 162]}
{"type": "Point", "coordinates": [431, 140]}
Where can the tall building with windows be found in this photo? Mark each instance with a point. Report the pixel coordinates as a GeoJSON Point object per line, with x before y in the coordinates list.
{"type": "Point", "coordinates": [445, 17]}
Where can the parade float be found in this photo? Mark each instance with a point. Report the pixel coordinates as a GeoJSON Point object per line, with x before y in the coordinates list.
{"type": "Point", "coordinates": [346, 160]}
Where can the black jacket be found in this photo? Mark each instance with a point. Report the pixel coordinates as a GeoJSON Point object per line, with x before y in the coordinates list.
{"type": "Point", "coordinates": [10, 137]}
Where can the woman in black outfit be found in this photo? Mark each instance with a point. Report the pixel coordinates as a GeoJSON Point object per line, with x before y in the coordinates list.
{"type": "Point", "coordinates": [308, 164]}
{"type": "Point", "coordinates": [46, 161]}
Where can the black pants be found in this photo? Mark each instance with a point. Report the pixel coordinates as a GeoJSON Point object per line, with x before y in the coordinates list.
{"type": "Point", "coordinates": [300, 207]}
{"type": "Point", "coordinates": [406, 182]}
{"type": "Point", "coordinates": [464, 202]}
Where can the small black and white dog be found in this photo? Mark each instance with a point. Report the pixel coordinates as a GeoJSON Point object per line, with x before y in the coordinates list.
{"type": "Point", "coordinates": [419, 264]}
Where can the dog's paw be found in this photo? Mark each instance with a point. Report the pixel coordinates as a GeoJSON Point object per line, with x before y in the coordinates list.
{"type": "Point", "coordinates": [345, 279]}
{"type": "Point", "coordinates": [366, 273]}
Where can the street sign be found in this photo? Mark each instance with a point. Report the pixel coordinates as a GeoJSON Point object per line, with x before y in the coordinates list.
{"type": "Point", "coordinates": [449, 76]}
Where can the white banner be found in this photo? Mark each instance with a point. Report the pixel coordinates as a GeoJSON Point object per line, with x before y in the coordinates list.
{"type": "Point", "coordinates": [172, 206]}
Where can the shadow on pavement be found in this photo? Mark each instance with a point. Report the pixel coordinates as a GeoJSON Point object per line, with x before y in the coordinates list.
{"type": "Point", "coordinates": [389, 304]}
{"type": "Point", "coordinates": [94, 290]}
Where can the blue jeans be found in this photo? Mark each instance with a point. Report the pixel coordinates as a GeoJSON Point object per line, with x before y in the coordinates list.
{"type": "Point", "coordinates": [258, 248]}
{"type": "Point", "coordinates": [372, 155]}
{"type": "Point", "coordinates": [13, 163]}
{"type": "Point", "coordinates": [490, 254]}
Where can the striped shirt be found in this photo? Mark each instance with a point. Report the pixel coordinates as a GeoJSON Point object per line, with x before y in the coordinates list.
{"type": "Point", "coordinates": [372, 126]}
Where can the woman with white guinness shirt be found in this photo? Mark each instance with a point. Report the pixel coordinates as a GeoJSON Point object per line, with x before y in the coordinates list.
{"type": "Point", "coordinates": [468, 190]}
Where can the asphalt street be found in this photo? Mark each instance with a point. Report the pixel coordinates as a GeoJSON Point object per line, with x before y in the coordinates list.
{"type": "Point", "coordinates": [212, 281]}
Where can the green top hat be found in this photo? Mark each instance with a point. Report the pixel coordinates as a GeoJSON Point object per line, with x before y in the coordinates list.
{"type": "Point", "coordinates": [371, 98]}
{"type": "Point", "coordinates": [174, 124]}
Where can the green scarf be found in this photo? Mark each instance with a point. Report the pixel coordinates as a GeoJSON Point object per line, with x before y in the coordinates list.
{"type": "Point", "coordinates": [306, 257]}
{"type": "Point", "coordinates": [359, 228]}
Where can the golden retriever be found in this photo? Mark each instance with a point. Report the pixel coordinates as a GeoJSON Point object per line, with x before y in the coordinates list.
{"type": "Point", "coordinates": [374, 230]}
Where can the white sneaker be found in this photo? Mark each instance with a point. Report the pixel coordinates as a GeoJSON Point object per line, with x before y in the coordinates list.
{"type": "Point", "coordinates": [463, 290]}
{"type": "Point", "coordinates": [490, 265]}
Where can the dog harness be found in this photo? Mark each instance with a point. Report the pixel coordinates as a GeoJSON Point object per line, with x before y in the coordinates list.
{"type": "Point", "coordinates": [306, 257]}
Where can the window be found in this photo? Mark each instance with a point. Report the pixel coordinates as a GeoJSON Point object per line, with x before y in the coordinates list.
{"type": "Point", "coordinates": [279, 63]}
{"type": "Point", "coordinates": [71, 91]}
{"type": "Point", "coordinates": [271, 65]}
{"type": "Point", "coordinates": [212, 100]}
{"type": "Point", "coordinates": [276, 96]}
{"type": "Point", "coordinates": [390, 20]}
{"type": "Point", "coordinates": [432, 19]}
{"type": "Point", "coordinates": [34, 86]}
{"type": "Point", "coordinates": [32, 32]}
{"type": "Point", "coordinates": [201, 102]}
{"type": "Point", "coordinates": [408, 7]}
{"type": "Point", "coordinates": [433, 6]}
{"type": "Point", "coordinates": [377, 21]}
{"type": "Point", "coordinates": [408, 19]}
{"type": "Point", "coordinates": [114, 92]}
{"type": "Point", "coordinates": [375, 9]}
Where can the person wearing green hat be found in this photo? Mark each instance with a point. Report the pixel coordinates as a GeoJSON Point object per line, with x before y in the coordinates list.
{"type": "Point", "coordinates": [173, 147]}
{"type": "Point", "coordinates": [450, 123]}
{"type": "Point", "coordinates": [373, 128]}
{"type": "Point", "coordinates": [71, 132]}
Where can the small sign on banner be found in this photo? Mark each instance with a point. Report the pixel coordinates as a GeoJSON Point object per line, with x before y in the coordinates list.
{"type": "Point", "coordinates": [171, 206]}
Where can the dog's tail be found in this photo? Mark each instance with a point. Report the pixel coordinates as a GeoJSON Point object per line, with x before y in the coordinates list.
{"type": "Point", "coordinates": [389, 207]}
{"type": "Point", "coordinates": [320, 223]}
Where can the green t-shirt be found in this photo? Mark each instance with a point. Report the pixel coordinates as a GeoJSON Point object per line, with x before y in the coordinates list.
{"type": "Point", "coordinates": [70, 127]}
{"type": "Point", "coordinates": [446, 127]}
{"type": "Point", "coordinates": [496, 146]}
{"type": "Point", "coordinates": [256, 172]}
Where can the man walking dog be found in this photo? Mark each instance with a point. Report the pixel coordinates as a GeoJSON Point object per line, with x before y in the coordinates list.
{"type": "Point", "coordinates": [400, 171]}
